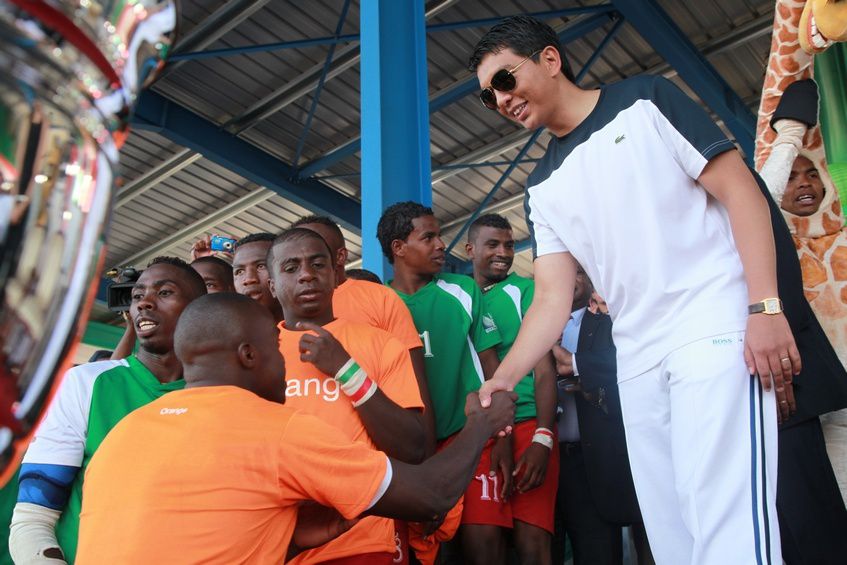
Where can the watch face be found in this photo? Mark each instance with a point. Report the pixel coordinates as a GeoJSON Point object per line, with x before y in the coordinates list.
{"type": "Point", "coordinates": [772, 306]}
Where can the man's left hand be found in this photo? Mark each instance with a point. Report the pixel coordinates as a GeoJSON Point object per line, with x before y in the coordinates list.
{"type": "Point", "coordinates": [321, 349]}
{"type": "Point", "coordinates": [317, 525]}
{"type": "Point", "coordinates": [534, 465]}
{"type": "Point", "coordinates": [502, 463]}
{"type": "Point", "coordinates": [770, 353]}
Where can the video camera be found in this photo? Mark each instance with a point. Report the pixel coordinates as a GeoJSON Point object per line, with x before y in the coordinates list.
{"type": "Point", "coordinates": [119, 294]}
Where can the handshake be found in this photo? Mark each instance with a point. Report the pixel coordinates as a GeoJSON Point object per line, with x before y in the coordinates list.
{"type": "Point", "coordinates": [498, 416]}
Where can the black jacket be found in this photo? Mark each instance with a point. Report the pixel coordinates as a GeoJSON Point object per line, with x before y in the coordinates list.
{"type": "Point", "coordinates": [601, 423]}
{"type": "Point", "coordinates": [821, 386]}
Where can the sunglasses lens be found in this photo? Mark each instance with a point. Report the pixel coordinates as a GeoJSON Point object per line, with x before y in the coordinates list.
{"type": "Point", "coordinates": [488, 98]}
{"type": "Point", "coordinates": [503, 80]}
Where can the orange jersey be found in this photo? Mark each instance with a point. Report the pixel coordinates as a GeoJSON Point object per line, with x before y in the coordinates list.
{"type": "Point", "coordinates": [378, 306]}
{"type": "Point", "coordinates": [215, 475]}
{"type": "Point", "coordinates": [387, 363]}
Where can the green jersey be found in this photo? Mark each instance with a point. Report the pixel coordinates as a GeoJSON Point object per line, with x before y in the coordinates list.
{"type": "Point", "coordinates": [451, 320]}
{"type": "Point", "coordinates": [507, 301]}
{"type": "Point", "coordinates": [91, 400]}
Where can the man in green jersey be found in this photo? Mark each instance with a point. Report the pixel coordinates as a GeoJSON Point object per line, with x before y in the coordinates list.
{"type": "Point", "coordinates": [459, 345]}
{"type": "Point", "coordinates": [90, 401]}
{"type": "Point", "coordinates": [529, 512]}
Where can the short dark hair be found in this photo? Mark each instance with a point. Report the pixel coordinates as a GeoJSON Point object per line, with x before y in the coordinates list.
{"type": "Point", "coordinates": [194, 277]}
{"type": "Point", "coordinates": [322, 220]}
{"type": "Point", "coordinates": [296, 234]}
{"type": "Point", "coordinates": [488, 221]}
{"type": "Point", "coordinates": [100, 355]}
{"type": "Point", "coordinates": [522, 34]}
{"type": "Point", "coordinates": [254, 237]}
{"type": "Point", "coordinates": [363, 275]}
{"type": "Point", "coordinates": [218, 262]}
{"type": "Point", "coordinates": [396, 223]}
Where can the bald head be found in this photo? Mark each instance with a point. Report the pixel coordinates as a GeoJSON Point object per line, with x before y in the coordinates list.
{"type": "Point", "coordinates": [230, 339]}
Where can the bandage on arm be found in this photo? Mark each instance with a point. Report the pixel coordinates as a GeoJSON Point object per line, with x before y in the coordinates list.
{"type": "Point", "coordinates": [32, 537]}
{"type": "Point", "coordinates": [785, 149]}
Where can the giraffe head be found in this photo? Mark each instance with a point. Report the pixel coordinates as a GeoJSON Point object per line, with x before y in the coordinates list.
{"type": "Point", "coordinates": [822, 23]}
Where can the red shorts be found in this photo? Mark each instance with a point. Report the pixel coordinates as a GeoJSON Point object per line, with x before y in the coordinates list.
{"type": "Point", "coordinates": [363, 559]}
{"type": "Point", "coordinates": [483, 504]}
{"type": "Point", "coordinates": [401, 538]}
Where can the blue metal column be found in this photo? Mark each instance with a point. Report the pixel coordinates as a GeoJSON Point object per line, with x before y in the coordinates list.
{"type": "Point", "coordinates": [395, 115]}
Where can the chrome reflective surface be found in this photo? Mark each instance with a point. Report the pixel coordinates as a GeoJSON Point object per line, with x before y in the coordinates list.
{"type": "Point", "coordinates": [69, 73]}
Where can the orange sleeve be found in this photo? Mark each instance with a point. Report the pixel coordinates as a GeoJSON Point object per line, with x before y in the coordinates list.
{"type": "Point", "coordinates": [317, 463]}
{"type": "Point", "coordinates": [394, 374]}
{"type": "Point", "coordinates": [399, 320]}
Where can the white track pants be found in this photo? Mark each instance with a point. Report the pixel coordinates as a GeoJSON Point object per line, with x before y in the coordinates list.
{"type": "Point", "coordinates": [702, 441]}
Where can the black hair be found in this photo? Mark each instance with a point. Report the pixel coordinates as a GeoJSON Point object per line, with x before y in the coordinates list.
{"type": "Point", "coordinates": [100, 355]}
{"type": "Point", "coordinates": [254, 237]}
{"type": "Point", "coordinates": [363, 275]}
{"type": "Point", "coordinates": [396, 223]}
{"type": "Point", "coordinates": [488, 221]}
{"type": "Point", "coordinates": [522, 34]}
{"type": "Point", "coordinates": [218, 262]}
{"type": "Point", "coordinates": [193, 276]}
{"type": "Point", "coordinates": [322, 220]}
{"type": "Point", "coordinates": [296, 234]}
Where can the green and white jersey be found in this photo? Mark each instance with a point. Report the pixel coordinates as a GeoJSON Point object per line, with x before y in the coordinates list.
{"type": "Point", "coordinates": [453, 325]}
{"type": "Point", "coordinates": [90, 401]}
{"type": "Point", "coordinates": [507, 301]}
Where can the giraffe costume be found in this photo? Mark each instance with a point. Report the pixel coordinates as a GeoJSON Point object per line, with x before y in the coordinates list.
{"type": "Point", "coordinates": [821, 238]}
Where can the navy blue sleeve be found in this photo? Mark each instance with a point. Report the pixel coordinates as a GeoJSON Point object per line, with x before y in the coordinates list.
{"type": "Point", "coordinates": [689, 119]}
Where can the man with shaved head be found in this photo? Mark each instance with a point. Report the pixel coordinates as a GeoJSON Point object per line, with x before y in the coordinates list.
{"type": "Point", "coordinates": [91, 399]}
{"type": "Point", "coordinates": [219, 470]}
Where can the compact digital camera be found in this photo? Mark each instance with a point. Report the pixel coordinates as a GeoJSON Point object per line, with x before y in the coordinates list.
{"type": "Point", "coordinates": [220, 243]}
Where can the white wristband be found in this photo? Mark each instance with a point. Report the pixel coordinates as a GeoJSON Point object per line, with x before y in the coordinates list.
{"type": "Point", "coordinates": [543, 439]}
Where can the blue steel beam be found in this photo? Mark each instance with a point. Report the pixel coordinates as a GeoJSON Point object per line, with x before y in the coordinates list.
{"type": "Point", "coordinates": [394, 116]}
{"type": "Point", "coordinates": [599, 51]}
{"type": "Point", "coordinates": [459, 166]}
{"type": "Point", "coordinates": [548, 15]}
{"type": "Point", "coordinates": [506, 174]}
{"type": "Point", "coordinates": [336, 39]}
{"type": "Point", "coordinates": [658, 29]}
{"type": "Point", "coordinates": [523, 245]}
{"type": "Point", "coordinates": [481, 165]}
{"type": "Point", "coordinates": [317, 95]}
{"type": "Point", "coordinates": [180, 125]}
{"type": "Point", "coordinates": [451, 94]}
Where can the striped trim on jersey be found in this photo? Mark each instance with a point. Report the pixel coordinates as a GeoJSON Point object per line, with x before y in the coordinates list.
{"type": "Point", "coordinates": [466, 301]}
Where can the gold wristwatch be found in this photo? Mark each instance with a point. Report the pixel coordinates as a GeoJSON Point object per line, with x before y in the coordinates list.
{"type": "Point", "coordinates": [767, 306]}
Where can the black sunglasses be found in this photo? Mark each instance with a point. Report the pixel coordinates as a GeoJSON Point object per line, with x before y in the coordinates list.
{"type": "Point", "coordinates": [504, 81]}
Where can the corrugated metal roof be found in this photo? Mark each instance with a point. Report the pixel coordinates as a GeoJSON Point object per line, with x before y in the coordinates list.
{"type": "Point", "coordinates": [734, 34]}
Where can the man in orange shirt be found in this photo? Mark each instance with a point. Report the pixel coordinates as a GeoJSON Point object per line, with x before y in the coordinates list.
{"type": "Point", "coordinates": [374, 305]}
{"type": "Point", "coordinates": [216, 473]}
{"type": "Point", "coordinates": [351, 375]}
